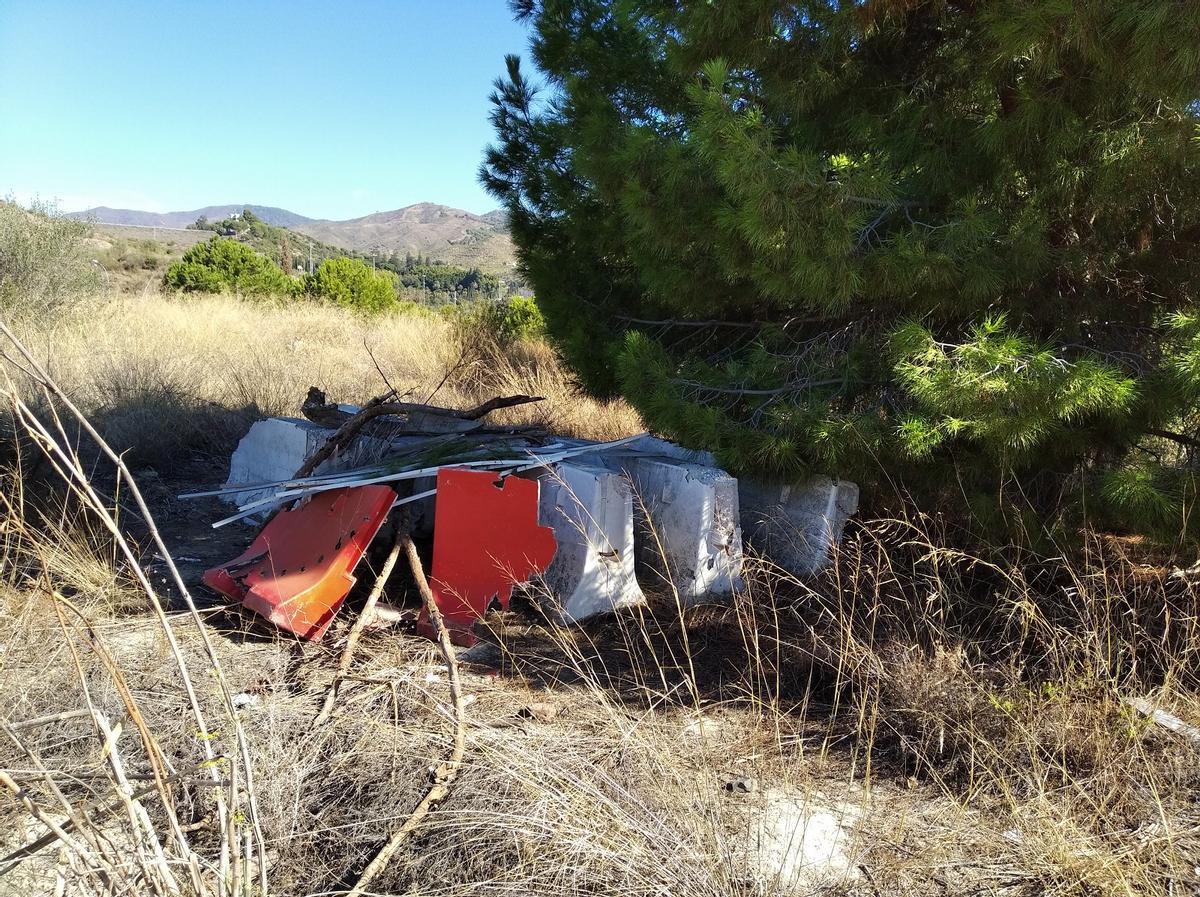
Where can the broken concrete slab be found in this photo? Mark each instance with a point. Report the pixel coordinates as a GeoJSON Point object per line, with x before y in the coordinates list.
{"type": "Point", "coordinates": [591, 511]}
{"type": "Point", "coordinates": [796, 525]}
{"type": "Point", "coordinates": [275, 448]}
{"type": "Point", "coordinates": [691, 535]}
{"type": "Point", "coordinates": [271, 451]}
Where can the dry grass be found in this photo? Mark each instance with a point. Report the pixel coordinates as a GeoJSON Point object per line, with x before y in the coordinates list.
{"type": "Point", "coordinates": [167, 377]}
{"type": "Point", "coordinates": [965, 713]}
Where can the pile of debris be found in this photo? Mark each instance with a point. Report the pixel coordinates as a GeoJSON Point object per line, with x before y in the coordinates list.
{"type": "Point", "coordinates": [503, 505]}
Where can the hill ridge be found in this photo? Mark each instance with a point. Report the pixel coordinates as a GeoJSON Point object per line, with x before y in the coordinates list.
{"type": "Point", "coordinates": [430, 229]}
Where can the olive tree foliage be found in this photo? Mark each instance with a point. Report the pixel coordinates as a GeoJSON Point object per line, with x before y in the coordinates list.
{"type": "Point", "coordinates": [945, 247]}
{"type": "Point", "coordinates": [45, 265]}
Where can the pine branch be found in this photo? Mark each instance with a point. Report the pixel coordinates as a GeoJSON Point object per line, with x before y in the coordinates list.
{"type": "Point", "coordinates": [1180, 438]}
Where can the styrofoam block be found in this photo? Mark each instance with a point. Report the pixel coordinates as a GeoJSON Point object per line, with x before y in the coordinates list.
{"type": "Point", "coordinates": [693, 533]}
{"type": "Point", "coordinates": [797, 525]}
{"type": "Point", "coordinates": [591, 511]}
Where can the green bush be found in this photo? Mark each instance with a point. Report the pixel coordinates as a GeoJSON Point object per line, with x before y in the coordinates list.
{"type": "Point", "coordinates": [44, 262]}
{"type": "Point", "coordinates": [520, 318]}
{"type": "Point", "coordinates": [220, 265]}
{"type": "Point", "coordinates": [352, 283]}
{"type": "Point", "coordinates": [502, 323]}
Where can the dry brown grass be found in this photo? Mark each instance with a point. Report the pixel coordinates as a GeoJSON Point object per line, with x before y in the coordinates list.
{"type": "Point", "coordinates": [166, 376]}
{"type": "Point", "coordinates": [966, 712]}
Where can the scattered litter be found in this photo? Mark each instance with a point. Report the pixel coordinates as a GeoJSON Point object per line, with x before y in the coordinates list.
{"type": "Point", "coordinates": [388, 615]}
{"type": "Point", "coordinates": [242, 700]}
{"type": "Point", "coordinates": [741, 786]}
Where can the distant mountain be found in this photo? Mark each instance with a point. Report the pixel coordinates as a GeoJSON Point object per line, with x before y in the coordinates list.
{"type": "Point", "coordinates": [269, 214]}
{"type": "Point", "coordinates": [443, 233]}
{"type": "Point", "coordinates": [428, 229]}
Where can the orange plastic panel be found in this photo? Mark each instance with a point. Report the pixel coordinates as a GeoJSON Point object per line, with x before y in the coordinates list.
{"type": "Point", "coordinates": [298, 571]}
{"type": "Point", "coordinates": [486, 539]}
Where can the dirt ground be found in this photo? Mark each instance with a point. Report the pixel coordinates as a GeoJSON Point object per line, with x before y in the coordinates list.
{"type": "Point", "coordinates": [745, 746]}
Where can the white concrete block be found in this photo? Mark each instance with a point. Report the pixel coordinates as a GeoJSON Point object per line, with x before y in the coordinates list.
{"type": "Point", "coordinates": [692, 535]}
{"type": "Point", "coordinates": [272, 450]}
{"type": "Point", "coordinates": [652, 445]}
{"type": "Point", "coordinates": [591, 511]}
{"type": "Point", "coordinates": [797, 525]}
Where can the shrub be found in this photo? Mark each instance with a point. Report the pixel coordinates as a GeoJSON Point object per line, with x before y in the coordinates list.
{"type": "Point", "coordinates": [924, 245]}
{"type": "Point", "coordinates": [499, 323]}
{"type": "Point", "coordinates": [521, 319]}
{"type": "Point", "coordinates": [44, 263]}
{"type": "Point", "coordinates": [220, 265]}
{"type": "Point", "coordinates": [352, 283]}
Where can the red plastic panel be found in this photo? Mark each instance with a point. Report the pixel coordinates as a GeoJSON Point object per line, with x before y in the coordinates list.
{"type": "Point", "coordinates": [486, 539]}
{"type": "Point", "coordinates": [298, 570]}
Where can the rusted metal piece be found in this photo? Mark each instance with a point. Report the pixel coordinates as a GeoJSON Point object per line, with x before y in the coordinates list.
{"type": "Point", "coordinates": [299, 569]}
{"type": "Point", "coordinates": [486, 540]}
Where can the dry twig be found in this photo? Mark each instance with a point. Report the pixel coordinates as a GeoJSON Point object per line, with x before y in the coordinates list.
{"type": "Point", "coordinates": [447, 770]}
{"type": "Point", "coordinates": [356, 630]}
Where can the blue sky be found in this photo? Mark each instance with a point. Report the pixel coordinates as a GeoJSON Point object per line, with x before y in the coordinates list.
{"type": "Point", "coordinates": [332, 110]}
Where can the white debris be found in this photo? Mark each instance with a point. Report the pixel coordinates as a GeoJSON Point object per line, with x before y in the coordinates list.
{"type": "Point", "coordinates": [244, 699]}
{"type": "Point", "coordinates": [591, 511]}
{"type": "Point", "coordinates": [796, 526]}
{"type": "Point", "coordinates": [702, 726]}
{"type": "Point", "coordinates": [796, 843]}
{"type": "Point", "coordinates": [271, 451]}
{"type": "Point", "coordinates": [691, 534]}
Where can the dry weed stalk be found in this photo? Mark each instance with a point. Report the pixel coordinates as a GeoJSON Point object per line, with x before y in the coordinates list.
{"type": "Point", "coordinates": [68, 464]}
{"type": "Point", "coordinates": [446, 771]}
{"type": "Point", "coordinates": [365, 618]}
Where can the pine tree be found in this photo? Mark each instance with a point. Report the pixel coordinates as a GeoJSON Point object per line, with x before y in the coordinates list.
{"type": "Point", "coordinates": [941, 246]}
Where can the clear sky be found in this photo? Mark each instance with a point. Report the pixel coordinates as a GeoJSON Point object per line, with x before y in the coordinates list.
{"type": "Point", "coordinates": [332, 110]}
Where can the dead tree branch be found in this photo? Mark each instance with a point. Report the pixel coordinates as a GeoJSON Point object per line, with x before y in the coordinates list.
{"type": "Point", "coordinates": [379, 407]}
{"type": "Point", "coordinates": [447, 771]}
{"type": "Point", "coordinates": [356, 631]}
{"type": "Point", "coordinates": [1180, 438]}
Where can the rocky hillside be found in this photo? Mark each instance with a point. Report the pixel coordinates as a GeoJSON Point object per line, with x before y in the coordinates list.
{"type": "Point", "coordinates": [138, 218]}
{"type": "Point", "coordinates": [440, 232]}
{"type": "Point", "coordinates": [447, 234]}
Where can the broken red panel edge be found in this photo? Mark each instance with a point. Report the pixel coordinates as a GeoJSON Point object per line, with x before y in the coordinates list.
{"type": "Point", "coordinates": [299, 568]}
{"type": "Point", "coordinates": [486, 539]}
